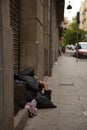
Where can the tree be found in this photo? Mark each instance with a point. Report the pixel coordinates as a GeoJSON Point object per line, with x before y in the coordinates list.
{"type": "Point", "coordinates": [70, 35]}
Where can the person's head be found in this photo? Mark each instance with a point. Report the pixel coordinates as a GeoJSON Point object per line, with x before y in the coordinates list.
{"type": "Point", "coordinates": [28, 71]}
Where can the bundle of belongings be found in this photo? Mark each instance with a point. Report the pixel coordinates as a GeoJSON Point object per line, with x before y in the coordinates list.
{"type": "Point", "coordinates": [34, 97]}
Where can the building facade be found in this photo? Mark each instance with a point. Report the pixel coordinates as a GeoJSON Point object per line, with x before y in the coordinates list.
{"type": "Point", "coordinates": [29, 36]}
{"type": "Point", "coordinates": [83, 15]}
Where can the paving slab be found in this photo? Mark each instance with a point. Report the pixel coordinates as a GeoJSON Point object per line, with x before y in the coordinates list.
{"type": "Point", "coordinates": [70, 123]}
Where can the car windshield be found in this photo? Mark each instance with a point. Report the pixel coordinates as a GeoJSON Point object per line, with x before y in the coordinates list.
{"type": "Point", "coordinates": [83, 46]}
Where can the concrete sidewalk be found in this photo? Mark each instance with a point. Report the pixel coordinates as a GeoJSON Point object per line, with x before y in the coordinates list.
{"type": "Point", "coordinates": [69, 93]}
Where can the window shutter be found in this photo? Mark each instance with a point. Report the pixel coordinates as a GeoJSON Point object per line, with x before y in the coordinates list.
{"type": "Point", "coordinates": [15, 24]}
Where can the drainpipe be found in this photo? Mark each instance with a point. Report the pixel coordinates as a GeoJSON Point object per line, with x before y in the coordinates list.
{"type": "Point", "coordinates": [50, 42]}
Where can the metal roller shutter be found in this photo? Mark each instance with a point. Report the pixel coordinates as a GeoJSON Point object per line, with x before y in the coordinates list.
{"type": "Point", "coordinates": [15, 24]}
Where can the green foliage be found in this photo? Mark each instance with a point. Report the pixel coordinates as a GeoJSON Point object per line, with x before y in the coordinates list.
{"type": "Point", "coordinates": [73, 24]}
{"type": "Point", "coordinates": [70, 35]}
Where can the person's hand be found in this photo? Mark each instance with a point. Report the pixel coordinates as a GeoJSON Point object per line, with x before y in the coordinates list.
{"type": "Point", "coordinates": [44, 85]}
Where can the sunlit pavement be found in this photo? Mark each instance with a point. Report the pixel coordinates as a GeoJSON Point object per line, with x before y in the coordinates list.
{"type": "Point", "coordinates": [69, 93]}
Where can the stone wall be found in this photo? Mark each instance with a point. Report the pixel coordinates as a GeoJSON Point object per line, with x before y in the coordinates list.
{"type": "Point", "coordinates": [6, 69]}
{"type": "Point", "coordinates": [32, 49]}
{"type": "Point", "coordinates": [35, 36]}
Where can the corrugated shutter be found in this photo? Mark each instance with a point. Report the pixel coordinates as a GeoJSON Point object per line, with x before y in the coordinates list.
{"type": "Point", "coordinates": [15, 24]}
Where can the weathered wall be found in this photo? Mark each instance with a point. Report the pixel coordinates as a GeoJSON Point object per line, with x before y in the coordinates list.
{"type": "Point", "coordinates": [40, 61]}
{"type": "Point", "coordinates": [28, 46]}
{"type": "Point", "coordinates": [32, 49]}
{"type": "Point", "coordinates": [6, 69]}
{"type": "Point", "coordinates": [35, 36]}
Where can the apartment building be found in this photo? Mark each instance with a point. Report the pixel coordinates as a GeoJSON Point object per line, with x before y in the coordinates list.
{"type": "Point", "coordinates": [29, 35]}
{"type": "Point", "coordinates": [83, 15]}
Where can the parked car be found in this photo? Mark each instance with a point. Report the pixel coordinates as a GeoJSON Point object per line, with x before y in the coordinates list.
{"type": "Point", "coordinates": [70, 49]}
{"type": "Point", "coordinates": [82, 49]}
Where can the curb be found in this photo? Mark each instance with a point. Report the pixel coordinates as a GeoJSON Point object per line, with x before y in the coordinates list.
{"type": "Point", "coordinates": [21, 119]}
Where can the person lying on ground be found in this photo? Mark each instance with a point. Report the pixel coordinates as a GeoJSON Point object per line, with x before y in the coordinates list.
{"type": "Point", "coordinates": [36, 89]}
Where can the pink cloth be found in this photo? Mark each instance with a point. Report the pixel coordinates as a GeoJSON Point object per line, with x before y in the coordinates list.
{"type": "Point", "coordinates": [31, 107]}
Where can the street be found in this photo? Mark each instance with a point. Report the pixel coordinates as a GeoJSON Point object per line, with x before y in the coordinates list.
{"type": "Point", "coordinates": [69, 93]}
